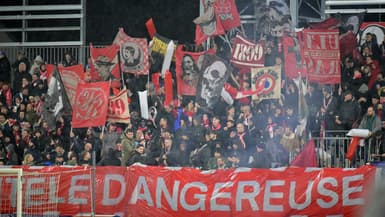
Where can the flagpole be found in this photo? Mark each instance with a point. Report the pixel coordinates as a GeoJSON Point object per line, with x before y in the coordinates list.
{"type": "Point", "coordinates": [121, 71]}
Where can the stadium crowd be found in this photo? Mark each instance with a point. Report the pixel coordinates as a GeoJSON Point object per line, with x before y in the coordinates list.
{"type": "Point", "coordinates": [250, 133]}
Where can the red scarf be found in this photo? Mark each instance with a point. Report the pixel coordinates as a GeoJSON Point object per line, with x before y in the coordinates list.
{"type": "Point", "coordinates": [216, 128]}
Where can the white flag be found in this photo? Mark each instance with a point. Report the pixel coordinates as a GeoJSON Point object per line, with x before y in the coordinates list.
{"type": "Point", "coordinates": [143, 104]}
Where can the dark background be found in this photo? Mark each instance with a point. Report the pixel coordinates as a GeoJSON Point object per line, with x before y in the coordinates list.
{"type": "Point", "coordinates": [172, 18]}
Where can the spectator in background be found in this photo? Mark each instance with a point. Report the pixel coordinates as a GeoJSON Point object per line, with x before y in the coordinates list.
{"type": "Point", "coordinates": [37, 62]}
{"type": "Point", "coordinates": [260, 158]}
{"type": "Point", "coordinates": [85, 158]}
{"type": "Point", "coordinates": [68, 60]}
{"type": "Point", "coordinates": [20, 73]}
{"type": "Point", "coordinates": [5, 68]}
{"type": "Point", "coordinates": [138, 156]}
{"type": "Point", "coordinates": [28, 160]}
{"type": "Point", "coordinates": [371, 122]}
{"type": "Point", "coordinates": [21, 58]}
{"type": "Point", "coordinates": [128, 145]}
{"type": "Point", "coordinates": [349, 113]}
{"type": "Point", "coordinates": [110, 159]}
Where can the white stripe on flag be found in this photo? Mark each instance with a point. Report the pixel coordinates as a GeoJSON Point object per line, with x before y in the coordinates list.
{"type": "Point", "coordinates": [143, 104]}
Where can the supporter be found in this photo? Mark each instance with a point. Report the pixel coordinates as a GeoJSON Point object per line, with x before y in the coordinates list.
{"type": "Point", "coordinates": [260, 158]}
{"type": "Point", "coordinates": [6, 95]}
{"type": "Point", "coordinates": [371, 122]}
{"type": "Point", "coordinates": [236, 156]}
{"type": "Point", "coordinates": [59, 160]}
{"type": "Point", "coordinates": [109, 137]}
{"type": "Point", "coordinates": [128, 145]}
{"type": "Point", "coordinates": [37, 62]}
{"type": "Point", "coordinates": [182, 154]}
{"type": "Point", "coordinates": [72, 159]}
{"type": "Point", "coordinates": [21, 58]}
{"type": "Point", "coordinates": [5, 68]}
{"type": "Point", "coordinates": [329, 111]}
{"type": "Point", "coordinates": [94, 141]}
{"type": "Point", "coordinates": [32, 149]}
{"type": "Point", "coordinates": [168, 156]}
{"type": "Point", "coordinates": [372, 45]}
{"type": "Point", "coordinates": [200, 156]}
{"type": "Point", "coordinates": [85, 158]}
{"type": "Point", "coordinates": [20, 73]}
{"type": "Point", "coordinates": [349, 114]}
{"type": "Point", "coordinates": [241, 137]}
{"type": "Point", "coordinates": [68, 60]}
{"type": "Point", "coordinates": [291, 96]}
{"type": "Point", "coordinates": [110, 159]}
{"type": "Point", "coordinates": [218, 161]}
{"type": "Point", "coordinates": [28, 160]}
{"type": "Point", "coordinates": [138, 156]}
{"type": "Point", "coordinates": [12, 157]}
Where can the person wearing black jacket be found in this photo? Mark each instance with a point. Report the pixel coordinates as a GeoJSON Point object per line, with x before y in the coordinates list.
{"type": "Point", "coordinates": [5, 68]}
{"type": "Point", "coordinates": [110, 159]}
{"type": "Point", "coordinates": [138, 156]}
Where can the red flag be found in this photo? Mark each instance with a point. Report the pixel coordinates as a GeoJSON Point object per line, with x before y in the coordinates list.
{"type": "Point", "coordinates": [293, 55]}
{"type": "Point", "coordinates": [71, 76]}
{"type": "Point", "coordinates": [91, 104]}
{"type": "Point", "coordinates": [208, 24]}
{"type": "Point", "coordinates": [247, 54]}
{"type": "Point", "coordinates": [330, 23]}
{"type": "Point", "coordinates": [243, 94]}
{"type": "Point", "coordinates": [187, 70]}
{"type": "Point", "coordinates": [118, 109]}
{"type": "Point", "coordinates": [50, 70]}
{"type": "Point", "coordinates": [307, 157]}
{"type": "Point", "coordinates": [155, 79]}
{"type": "Point", "coordinates": [352, 148]}
{"type": "Point", "coordinates": [168, 89]}
{"type": "Point", "coordinates": [228, 13]}
{"type": "Point", "coordinates": [322, 55]}
{"type": "Point", "coordinates": [120, 37]}
{"type": "Point", "coordinates": [133, 53]}
{"type": "Point", "coordinates": [104, 63]}
{"type": "Point", "coordinates": [150, 27]}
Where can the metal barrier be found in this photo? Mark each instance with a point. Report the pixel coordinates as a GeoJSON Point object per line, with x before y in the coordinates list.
{"type": "Point", "coordinates": [52, 55]}
{"type": "Point", "coordinates": [331, 151]}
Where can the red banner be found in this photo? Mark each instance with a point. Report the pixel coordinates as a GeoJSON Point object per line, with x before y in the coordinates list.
{"type": "Point", "coordinates": [91, 104]}
{"type": "Point", "coordinates": [118, 109]}
{"type": "Point", "coordinates": [133, 53]}
{"type": "Point", "coordinates": [143, 191]}
{"type": "Point", "coordinates": [247, 54]}
{"type": "Point", "coordinates": [322, 55]}
{"type": "Point", "coordinates": [228, 13]}
{"type": "Point", "coordinates": [71, 76]}
{"type": "Point", "coordinates": [104, 63]}
{"type": "Point", "coordinates": [293, 53]}
{"type": "Point", "coordinates": [187, 70]}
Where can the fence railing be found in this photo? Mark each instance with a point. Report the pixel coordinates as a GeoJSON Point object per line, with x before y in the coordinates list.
{"type": "Point", "coordinates": [331, 151]}
{"type": "Point", "coordinates": [52, 55]}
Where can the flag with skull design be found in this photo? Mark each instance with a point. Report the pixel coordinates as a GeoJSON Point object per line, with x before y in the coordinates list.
{"type": "Point", "coordinates": [213, 75]}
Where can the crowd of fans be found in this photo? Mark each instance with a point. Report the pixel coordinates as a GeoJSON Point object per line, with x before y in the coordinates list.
{"type": "Point", "coordinates": [249, 133]}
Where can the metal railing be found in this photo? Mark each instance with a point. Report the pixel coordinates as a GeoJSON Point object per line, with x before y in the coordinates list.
{"type": "Point", "coordinates": [52, 55]}
{"type": "Point", "coordinates": [331, 151]}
